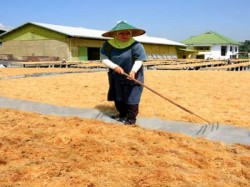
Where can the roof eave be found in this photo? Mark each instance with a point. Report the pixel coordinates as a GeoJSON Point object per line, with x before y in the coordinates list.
{"type": "Point", "coordinates": [163, 43]}
{"type": "Point", "coordinates": [210, 44]}
{"type": "Point", "coordinates": [11, 30]}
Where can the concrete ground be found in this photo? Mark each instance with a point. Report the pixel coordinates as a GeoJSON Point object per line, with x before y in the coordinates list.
{"type": "Point", "coordinates": [216, 132]}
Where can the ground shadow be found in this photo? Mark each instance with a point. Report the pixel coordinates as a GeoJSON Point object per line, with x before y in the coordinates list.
{"type": "Point", "coordinates": [106, 109]}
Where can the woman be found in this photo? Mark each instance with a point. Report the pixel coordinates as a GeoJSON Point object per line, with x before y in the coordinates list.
{"type": "Point", "coordinates": [124, 54]}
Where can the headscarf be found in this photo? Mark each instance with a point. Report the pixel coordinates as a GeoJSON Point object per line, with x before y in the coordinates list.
{"type": "Point", "coordinates": [120, 44]}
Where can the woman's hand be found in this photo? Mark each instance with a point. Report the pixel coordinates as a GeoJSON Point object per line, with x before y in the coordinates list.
{"type": "Point", "coordinates": [132, 75]}
{"type": "Point", "coordinates": [118, 70]}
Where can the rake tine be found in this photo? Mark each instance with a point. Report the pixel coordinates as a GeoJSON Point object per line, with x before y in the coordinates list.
{"type": "Point", "coordinates": [204, 129]}
{"type": "Point", "coordinates": [200, 130]}
{"type": "Point", "coordinates": [217, 127]}
{"type": "Point", "coordinates": [212, 127]}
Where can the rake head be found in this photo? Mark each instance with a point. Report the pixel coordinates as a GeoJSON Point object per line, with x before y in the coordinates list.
{"type": "Point", "coordinates": [204, 128]}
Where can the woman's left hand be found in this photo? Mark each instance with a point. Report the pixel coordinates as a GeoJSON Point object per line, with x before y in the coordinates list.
{"type": "Point", "coordinates": [132, 75]}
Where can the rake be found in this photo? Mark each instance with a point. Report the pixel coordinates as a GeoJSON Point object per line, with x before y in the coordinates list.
{"type": "Point", "coordinates": [169, 100]}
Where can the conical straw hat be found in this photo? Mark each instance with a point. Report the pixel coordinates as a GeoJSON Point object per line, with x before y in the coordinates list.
{"type": "Point", "coordinates": [124, 26]}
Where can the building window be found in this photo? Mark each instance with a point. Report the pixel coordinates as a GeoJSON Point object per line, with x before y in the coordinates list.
{"type": "Point", "coordinates": [223, 50]}
{"type": "Point", "coordinates": [200, 56]}
{"type": "Point", "coordinates": [202, 48]}
{"type": "Point", "coordinates": [231, 48]}
{"type": "Point", "coordinates": [236, 49]}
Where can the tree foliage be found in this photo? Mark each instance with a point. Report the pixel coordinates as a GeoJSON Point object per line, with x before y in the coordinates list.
{"type": "Point", "coordinates": [245, 47]}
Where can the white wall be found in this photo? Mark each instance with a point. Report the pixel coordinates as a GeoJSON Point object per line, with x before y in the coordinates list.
{"type": "Point", "coordinates": [215, 52]}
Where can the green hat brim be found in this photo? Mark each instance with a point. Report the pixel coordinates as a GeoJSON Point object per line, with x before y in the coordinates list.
{"type": "Point", "coordinates": [135, 32]}
{"type": "Point", "coordinates": [124, 26]}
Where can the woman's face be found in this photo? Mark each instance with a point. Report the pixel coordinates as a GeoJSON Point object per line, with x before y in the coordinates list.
{"type": "Point", "coordinates": [124, 36]}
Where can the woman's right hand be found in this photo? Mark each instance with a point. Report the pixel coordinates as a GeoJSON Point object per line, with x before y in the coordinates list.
{"type": "Point", "coordinates": [118, 70]}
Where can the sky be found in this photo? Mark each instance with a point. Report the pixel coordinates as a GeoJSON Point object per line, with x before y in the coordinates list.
{"type": "Point", "coordinates": [175, 20]}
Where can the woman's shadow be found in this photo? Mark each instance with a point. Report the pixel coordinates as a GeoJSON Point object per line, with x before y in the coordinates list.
{"type": "Point", "coordinates": [106, 109]}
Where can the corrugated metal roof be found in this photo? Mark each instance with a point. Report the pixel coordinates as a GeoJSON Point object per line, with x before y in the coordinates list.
{"type": "Point", "coordinates": [154, 40]}
{"type": "Point", "coordinates": [209, 38]}
{"type": "Point", "coordinates": [97, 34]}
{"type": "Point", "coordinates": [72, 31]}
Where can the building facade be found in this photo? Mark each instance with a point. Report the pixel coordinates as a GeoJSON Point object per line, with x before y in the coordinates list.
{"type": "Point", "coordinates": [211, 45]}
{"type": "Point", "coordinates": [41, 42]}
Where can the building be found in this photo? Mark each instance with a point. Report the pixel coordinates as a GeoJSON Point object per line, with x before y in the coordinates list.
{"type": "Point", "coordinates": [1, 32]}
{"type": "Point", "coordinates": [210, 45]}
{"type": "Point", "coordinates": [38, 42]}
{"type": "Point", "coordinates": [3, 29]}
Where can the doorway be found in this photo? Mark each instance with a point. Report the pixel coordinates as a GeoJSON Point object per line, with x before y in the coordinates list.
{"type": "Point", "coordinates": [93, 53]}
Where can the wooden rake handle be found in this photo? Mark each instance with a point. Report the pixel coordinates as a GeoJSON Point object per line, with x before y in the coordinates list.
{"type": "Point", "coordinates": [169, 100]}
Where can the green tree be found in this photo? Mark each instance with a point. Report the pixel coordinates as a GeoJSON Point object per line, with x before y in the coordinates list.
{"type": "Point", "coordinates": [245, 47]}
